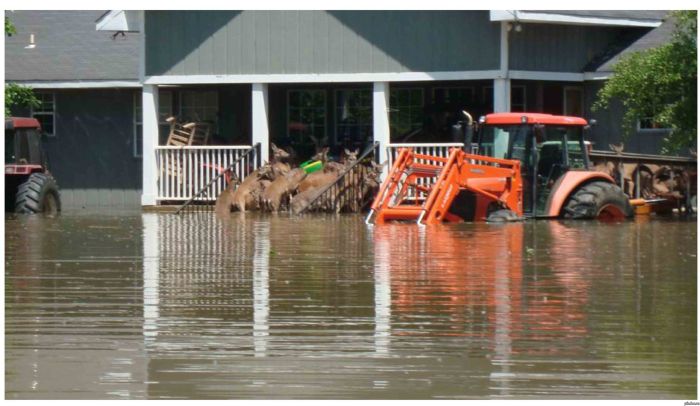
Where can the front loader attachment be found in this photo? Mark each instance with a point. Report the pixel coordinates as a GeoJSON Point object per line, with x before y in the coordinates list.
{"type": "Point", "coordinates": [429, 189]}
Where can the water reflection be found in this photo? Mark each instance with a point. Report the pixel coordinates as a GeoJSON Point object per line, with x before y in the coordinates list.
{"type": "Point", "coordinates": [261, 288]}
{"type": "Point", "coordinates": [151, 276]}
{"type": "Point", "coordinates": [323, 307]}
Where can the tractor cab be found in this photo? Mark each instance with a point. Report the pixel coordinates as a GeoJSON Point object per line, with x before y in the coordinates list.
{"type": "Point", "coordinates": [547, 147]}
{"type": "Point", "coordinates": [23, 152]}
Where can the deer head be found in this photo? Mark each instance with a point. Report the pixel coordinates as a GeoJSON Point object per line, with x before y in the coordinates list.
{"type": "Point", "coordinates": [321, 155]}
{"type": "Point", "coordinates": [278, 153]}
{"type": "Point", "coordinates": [265, 171]}
{"type": "Point", "coordinates": [617, 148]}
{"type": "Point", "coordinates": [350, 156]}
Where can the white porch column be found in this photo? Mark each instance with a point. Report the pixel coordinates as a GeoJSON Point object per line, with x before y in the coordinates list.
{"type": "Point", "coordinates": [150, 142]}
{"type": "Point", "coordinates": [501, 95]}
{"type": "Point", "coordinates": [501, 86]}
{"type": "Point", "coordinates": [380, 120]}
{"type": "Point", "coordinates": [261, 131]}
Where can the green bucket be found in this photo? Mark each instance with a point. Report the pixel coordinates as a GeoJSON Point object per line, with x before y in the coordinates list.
{"type": "Point", "coordinates": [311, 166]}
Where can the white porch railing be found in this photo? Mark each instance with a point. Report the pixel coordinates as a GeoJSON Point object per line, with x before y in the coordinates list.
{"type": "Point", "coordinates": [440, 149]}
{"type": "Point", "coordinates": [183, 171]}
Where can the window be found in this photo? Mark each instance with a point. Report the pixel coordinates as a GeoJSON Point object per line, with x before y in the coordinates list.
{"type": "Point", "coordinates": [45, 113]}
{"type": "Point", "coordinates": [487, 98]}
{"type": "Point", "coordinates": [458, 97]}
{"type": "Point", "coordinates": [648, 123]}
{"type": "Point", "coordinates": [306, 115]}
{"type": "Point", "coordinates": [165, 110]}
{"type": "Point", "coordinates": [353, 118]}
{"type": "Point", "coordinates": [406, 106]}
{"type": "Point", "coordinates": [199, 106]}
{"type": "Point", "coordinates": [518, 99]}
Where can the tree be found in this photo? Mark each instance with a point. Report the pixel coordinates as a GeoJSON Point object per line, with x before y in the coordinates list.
{"type": "Point", "coordinates": [660, 84]}
{"type": "Point", "coordinates": [17, 95]}
{"type": "Point", "coordinates": [9, 27]}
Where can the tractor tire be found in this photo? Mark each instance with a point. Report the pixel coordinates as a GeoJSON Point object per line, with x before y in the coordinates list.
{"type": "Point", "coordinates": [39, 194]}
{"type": "Point", "coordinates": [598, 200]}
{"type": "Point", "coordinates": [503, 216]}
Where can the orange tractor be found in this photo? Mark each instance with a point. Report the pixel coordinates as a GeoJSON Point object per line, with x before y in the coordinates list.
{"type": "Point", "coordinates": [522, 165]}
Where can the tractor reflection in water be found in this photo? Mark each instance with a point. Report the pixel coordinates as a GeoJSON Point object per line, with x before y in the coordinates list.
{"type": "Point", "coordinates": [514, 299]}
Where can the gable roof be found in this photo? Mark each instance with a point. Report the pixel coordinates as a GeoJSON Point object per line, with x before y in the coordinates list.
{"type": "Point", "coordinates": [654, 38]}
{"type": "Point", "coordinates": [68, 48]}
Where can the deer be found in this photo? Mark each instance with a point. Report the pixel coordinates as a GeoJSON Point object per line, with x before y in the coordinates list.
{"type": "Point", "coordinates": [348, 159]}
{"type": "Point", "coordinates": [321, 178]}
{"type": "Point", "coordinates": [279, 157]}
{"type": "Point", "coordinates": [248, 192]}
{"type": "Point", "coordinates": [281, 188]}
{"type": "Point", "coordinates": [357, 186]}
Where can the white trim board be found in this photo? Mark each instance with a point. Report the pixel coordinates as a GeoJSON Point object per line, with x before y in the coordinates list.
{"type": "Point", "coordinates": [552, 18]}
{"type": "Point", "coordinates": [79, 84]}
{"type": "Point", "coordinates": [119, 20]}
{"type": "Point", "coordinates": [322, 77]}
{"type": "Point", "coordinates": [558, 76]}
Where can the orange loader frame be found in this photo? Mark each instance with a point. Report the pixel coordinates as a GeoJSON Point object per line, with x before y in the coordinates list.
{"type": "Point", "coordinates": [422, 188]}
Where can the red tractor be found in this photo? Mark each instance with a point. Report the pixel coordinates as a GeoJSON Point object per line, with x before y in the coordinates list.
{"type": "Point", "coordinates": [29, 187]}
{"type": "Point", "coordinates": [522, 165]}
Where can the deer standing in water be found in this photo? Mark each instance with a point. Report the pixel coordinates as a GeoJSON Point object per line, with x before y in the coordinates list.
{"type": "Point", "coordinates": [317, 181]}
{"type": "Point", "coordinates": [279, 191]}
{"type": "Point", "coordinates": [330, 172]}
{"type": "Point", "coordinates": [248, 192]}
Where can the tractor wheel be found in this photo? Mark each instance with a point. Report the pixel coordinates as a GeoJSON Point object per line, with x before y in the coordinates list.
{"type": "Point", "coordinates": [39, 194]}
{"type": "Point", "coordinates": [503, 216]}
{"type": "Point", "coordinates": [598, 200]}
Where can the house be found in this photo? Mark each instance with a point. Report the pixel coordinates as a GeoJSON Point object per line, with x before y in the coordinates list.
{"type": "Point", "coordinates": [88, 84]}
{"type": "Point", "coordinates": [352, 77]}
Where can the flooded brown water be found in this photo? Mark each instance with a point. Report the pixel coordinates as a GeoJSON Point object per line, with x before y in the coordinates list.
{"type": "Point", "coordinates": [164, 306]}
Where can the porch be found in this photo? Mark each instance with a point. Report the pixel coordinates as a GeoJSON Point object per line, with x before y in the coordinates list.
{"type": "Point", "coordinates": [303, 116]}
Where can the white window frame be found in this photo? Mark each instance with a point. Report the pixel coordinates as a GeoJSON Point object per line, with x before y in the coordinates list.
{"type": "Point", "coordinates": [581, 99]}
{"type": "Point", "coordinates": [138, 116]}
{"type": "Point", "coordinates": [524, 89]}
{"type": "Point", "coordinates": [52, 113]}
{"type": "Point", "coordinates": [470, 88]}
{"type": "Point", "coordinates": [325, 110]}
{"type": "Point", "coordinates": [335, 110]}
{"type": "Point", "coordinates": [650, 130]}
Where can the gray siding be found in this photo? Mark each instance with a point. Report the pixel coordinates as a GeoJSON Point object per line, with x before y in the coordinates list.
{"type": "Point", "coordinates": [68, 48]}
{"type": "Point", "coordinates": [296, 42]}
{"type": "Point", "coordinates": [91, 155]}
{"type": "Point", "coordinates": [609, 127]}
{"type": "Point", "coordinates": [560, 48]}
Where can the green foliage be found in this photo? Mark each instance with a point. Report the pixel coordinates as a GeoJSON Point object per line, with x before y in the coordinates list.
{"type": "Point", "coordinates": [19, 96]}
{"type": "Point", "coordinates": [16, 95]}
{"type": "Point", "coordinates": [661, 84]}
{"type": "Point", "coordinates": [9, 27]}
